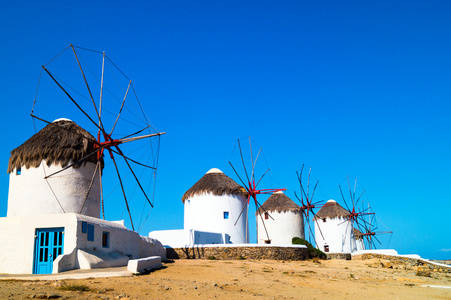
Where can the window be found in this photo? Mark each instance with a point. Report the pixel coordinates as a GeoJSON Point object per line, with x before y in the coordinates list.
{"type": "Point", "coordinates": [84, 227]}
{"type": "Point", "coordinates": [226, 215]}
{"type": "Point", "coordinates": [18, 171]}
{"type": "Point", "coordinates": [266, 216]}
{"type": "Point", "coordinates": [324, 220]}
{"type": "Point", "coordinates": [90, 232]}
{"type": "Point", "coordinates": [105, 239]}
{"type": "Point", "coordinates": [326, 248]}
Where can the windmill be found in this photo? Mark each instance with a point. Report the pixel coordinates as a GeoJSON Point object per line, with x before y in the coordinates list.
{"type": "Point", "coordinates": [94, 91]}
{"type": "Point", "coordinates": [250, 181]}
{"type": "Point", "coordinates": [371, 229]}
{"type": "Point", "coordinates": [307, 204]}
{"type": "Point", "coordinates": [361, 216]}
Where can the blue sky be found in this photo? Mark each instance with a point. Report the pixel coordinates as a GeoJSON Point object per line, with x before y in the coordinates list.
{"type": "Point", "coordinates": [349, 88]}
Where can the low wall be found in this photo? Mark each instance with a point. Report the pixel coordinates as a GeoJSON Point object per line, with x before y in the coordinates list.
{"type": "Point", "coordinates": [346, 256]}
{"type": "Point", "coordinates": [239, 252]}
{"type": "Point", "coordinates": [406, 262]}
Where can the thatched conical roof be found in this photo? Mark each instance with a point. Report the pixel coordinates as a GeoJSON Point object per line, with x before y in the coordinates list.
{"type": "Point", "coordinates": [60, 142]}
{"type": "Point", "coordinates": [331, 210]}
{"type": "Point", "coordinates": [279, 202]}
{"type": "Point", "coordinates": [358, 234]}
{"type": "Point", "coordinates": [217, 183]}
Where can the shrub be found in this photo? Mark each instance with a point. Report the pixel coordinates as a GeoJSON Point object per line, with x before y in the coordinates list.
{"type": "Point", "coordinates": [75, 287]}
{"type": "Point", "coordinates": [312, 251]}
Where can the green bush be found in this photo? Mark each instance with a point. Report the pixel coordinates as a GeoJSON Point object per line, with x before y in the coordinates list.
{"type": "Point", "coordinates": [75, 287]}
{"type": "Point", "coordinates": [312, 251]}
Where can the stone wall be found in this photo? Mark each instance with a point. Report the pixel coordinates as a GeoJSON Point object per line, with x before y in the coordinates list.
{"type": "Point", "coordinates": [238, 252]}
{"type": "Point", "coordinates": [399, 262]}
{"type": "Point", "coordinates": [346, 256]}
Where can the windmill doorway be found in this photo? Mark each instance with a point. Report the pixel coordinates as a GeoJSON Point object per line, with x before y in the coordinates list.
{"type": "Point", "coordinates": [48, 245]}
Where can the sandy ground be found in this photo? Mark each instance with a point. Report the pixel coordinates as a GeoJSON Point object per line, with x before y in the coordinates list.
{"type": "Point", "coordinates": [244, 279]}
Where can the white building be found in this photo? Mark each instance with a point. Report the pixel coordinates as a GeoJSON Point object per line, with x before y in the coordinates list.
{"type": "Point", "coordinates": [53, 224]}
{"type": "Point", "coordinates": [216, 203]}
{"type": "Point", "coordinates": [359, 242]}
{"type": "Point", "coordinates": [215, 211]}
{"type": "Point", "coordinates": [333, 229]}
{"type": "Point", "coordinates": [279, 219]}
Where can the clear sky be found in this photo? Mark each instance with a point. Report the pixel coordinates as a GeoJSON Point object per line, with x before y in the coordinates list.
{"type": "Point", "coordinates": [358, 88]}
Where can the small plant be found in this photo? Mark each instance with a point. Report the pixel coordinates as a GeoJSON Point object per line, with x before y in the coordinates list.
{"type": "Point", "coordinates": [312, 251]}
{"type": "Point", "coordinates": [212, 257]}
{"type": "Point", "coordinates": [346, 268]}
{"type": "Point", "coordinates": [75, 287]}
{"type": "Point", "coordinates": [241, 257]}
{"type": "Point", "coordinates": [351, 275]}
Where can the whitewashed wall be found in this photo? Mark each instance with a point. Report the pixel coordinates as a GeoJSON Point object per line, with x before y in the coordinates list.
{"type": "Point", "coordinates": [337, 233]}
{"type": "Point", "coordinates": [206, 213]}
{"type": "Point", "coordinates": [17, 236]}
{"type": "Point", "coordinates": [188, 237]}
{"type": "Point", "coordinates": [18, 240]}
{"type": "Point", "coordinates": [31, 194]}
{"type": "Point", "coordinates": [360, 245]}
{"type": "Point", "coordinates": [282, 229]}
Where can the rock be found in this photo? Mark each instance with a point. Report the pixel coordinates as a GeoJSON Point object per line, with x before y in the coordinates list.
{"type": "Point", "coordinates": [386, 263]}
{"type": "Point", "coordinates": [424, 273]}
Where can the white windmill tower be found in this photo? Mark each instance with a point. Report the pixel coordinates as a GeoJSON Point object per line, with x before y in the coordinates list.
{"type": "Point", "coordinates": [55, 193]}
{"type": "Point", "coordinates": [336, 231]}
{"type": "Point", "coordinates": [287, 220]}
{"type": "Point", "coordinates": [214, 204]}
{"type": "Point", "coordinates": [76, 190]}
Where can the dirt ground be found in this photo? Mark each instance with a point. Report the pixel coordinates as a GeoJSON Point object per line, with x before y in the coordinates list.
{"type": "Point", "coordinates": [244, 279]}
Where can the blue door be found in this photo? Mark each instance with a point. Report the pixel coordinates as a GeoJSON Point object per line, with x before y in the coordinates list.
{"type": "Point", "coordinates": [48, 245]}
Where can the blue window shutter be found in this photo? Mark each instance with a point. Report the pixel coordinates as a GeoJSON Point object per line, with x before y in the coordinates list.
{"type": "Point", "coordinates": [84, 227]}
{"type": "Point", "coordinates": [90, 232]}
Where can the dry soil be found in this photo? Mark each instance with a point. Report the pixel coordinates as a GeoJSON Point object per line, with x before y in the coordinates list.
{"type": "Point", "coordinates": [245, 279]}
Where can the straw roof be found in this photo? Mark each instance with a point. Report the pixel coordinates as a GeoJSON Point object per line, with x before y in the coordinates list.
{"type": "Point", "coordinates": [217, 183]}
{"type": "Point", "coordinates": [358, 234]}
{"type": "Point", "coordinates": [331, 210]}
{"type": "Point", "coordinates": [279, 202]}
{"type": "Point", "coordinates": [60, 142]}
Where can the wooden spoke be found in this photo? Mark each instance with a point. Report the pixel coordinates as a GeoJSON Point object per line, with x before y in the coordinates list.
{"type": "Point", "coordinates": [73, 101]}
{"type": "Point", "coordinates": [261, 178]}
{"type": "Point", "coordinates": [241, 212]}
{"type": "Point", "coordinates": [87, 86]}
{"type": "Point", "coordinates": [101, 193]}
{"type": "Point", "coordinates": [122, 106]}
{"type": "Point", "coordinates": [90, 186]}
{"type": "Point", "coordinates": [72, 164]}
{"type": "Point", "coordinates": [132, 160]}
{"type": "Point", "coordinates": [123, 190]}
{"type": "Point", "coordinates": [134, 175]}
{"type": "Point", "coordinates": [245, 186]}
{"type": "Point", "coordinates": [242, 160]}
